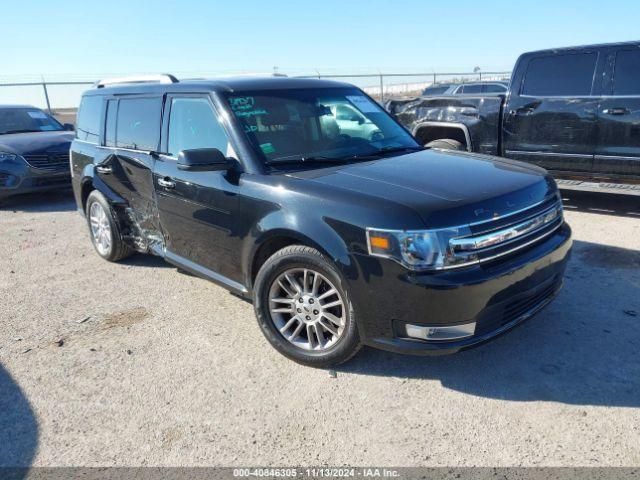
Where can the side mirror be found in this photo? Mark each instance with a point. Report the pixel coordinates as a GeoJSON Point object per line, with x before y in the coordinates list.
{"type": "Point", "coordinates": [204, 160]}
{"type": "Point", "coordinates": [68, 127]}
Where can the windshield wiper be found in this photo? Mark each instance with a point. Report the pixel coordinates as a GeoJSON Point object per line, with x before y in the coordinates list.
{"type": "Point", "coordinates": [398, 149]}
{"type": "Point", "coordinates": [380, 151]}
{"type": "Point", "coordinates": [302, 159]}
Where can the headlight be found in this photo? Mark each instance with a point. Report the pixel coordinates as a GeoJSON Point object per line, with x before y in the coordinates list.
{"type": "Point", "coordinates": [7, 157]}
{"type": "Point", "coordinates": [419, 249]}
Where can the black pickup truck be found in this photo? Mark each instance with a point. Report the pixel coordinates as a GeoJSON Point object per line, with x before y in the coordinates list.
{"type": "Point", "coordinates": [574, 111]}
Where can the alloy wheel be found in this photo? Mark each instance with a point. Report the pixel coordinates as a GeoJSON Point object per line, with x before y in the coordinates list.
{"type": "Point", "coordinates": [100, 228]}
{"type": "Point", "coordinates": [307, 309]}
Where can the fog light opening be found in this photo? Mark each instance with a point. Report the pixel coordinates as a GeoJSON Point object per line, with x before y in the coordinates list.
{"type": "Point", "coordinates": [450, 332]}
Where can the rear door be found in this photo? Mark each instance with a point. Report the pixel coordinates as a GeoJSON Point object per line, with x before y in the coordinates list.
{"type": "Point", "coordinates": [131, 133]}
{"type": "Point", "coordinates": [551, 115]}
{"type": "Point", "coordinates": [618, 148]}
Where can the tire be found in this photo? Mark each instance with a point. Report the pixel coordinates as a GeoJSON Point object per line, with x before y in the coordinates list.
{"type": "Point", "coordinates": [115, 248]}
{"type": "Point", "coordinates": [306, 348]}
{"type": "Point", "coordinates": [445, 144]}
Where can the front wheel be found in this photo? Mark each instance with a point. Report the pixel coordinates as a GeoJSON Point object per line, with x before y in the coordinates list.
{"type": "Point", "coordinates": [303, 308]}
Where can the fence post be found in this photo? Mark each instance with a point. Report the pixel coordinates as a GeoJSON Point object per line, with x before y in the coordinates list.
{"type": "Point", "coordinates": [434, 78]}
{"type": "Point", "coordinates": [46, 96]}
{"type": "Point", "coordinates": [381, 89]}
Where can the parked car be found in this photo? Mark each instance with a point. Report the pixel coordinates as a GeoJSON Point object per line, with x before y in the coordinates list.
{"type": "Point", "coordinates": [574, 111]}
{"type": "Point", "coordinates": [339, 238]}
{"type": "Point", "coordinates": [34, 151]}
{"type": "Point", "coordinates": [472, 88]}
{"type": "Point", "coordinates": [438, 89]}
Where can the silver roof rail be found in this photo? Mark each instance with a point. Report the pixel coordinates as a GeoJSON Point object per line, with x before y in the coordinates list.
{"type": "Point", "coordinates": [162, 78]}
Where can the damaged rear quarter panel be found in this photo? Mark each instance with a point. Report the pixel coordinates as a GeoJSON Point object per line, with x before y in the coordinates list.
{"type": "Point", "coordinates": [480, 115]}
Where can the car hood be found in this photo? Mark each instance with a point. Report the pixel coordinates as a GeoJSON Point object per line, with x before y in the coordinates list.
{"type": "Point", "coordinates": [444, 188]}
{"type": "Point", "coordinates": [36, 142]}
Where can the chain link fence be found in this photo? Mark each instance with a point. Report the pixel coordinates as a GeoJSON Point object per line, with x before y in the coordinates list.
{"type": "Point", "coordinates": [61, 97]}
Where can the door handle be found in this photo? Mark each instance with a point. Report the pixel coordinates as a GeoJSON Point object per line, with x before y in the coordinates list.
{"type": "Point", "coordinates": [104, 169]}
{"type": "Point", "coordinates": [616, 111]}
{"type": "Point", "coordinates": [522, 111]}
{"type": "Point", "coordinates": [166, 182]}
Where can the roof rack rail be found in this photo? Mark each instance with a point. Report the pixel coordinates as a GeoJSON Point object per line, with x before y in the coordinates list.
{"type": "Point", "coordinates": [162, 78]}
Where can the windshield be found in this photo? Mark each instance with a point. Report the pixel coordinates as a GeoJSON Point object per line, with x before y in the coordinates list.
{"type": "Point", "coordinates": [325, 124]}
{"type": "Point", "coordinates": [22, 120]}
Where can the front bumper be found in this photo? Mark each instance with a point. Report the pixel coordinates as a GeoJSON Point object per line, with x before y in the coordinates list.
{"type": "Point", "coordinates": [497, 297]}
{"type": "Point", "coordinates": [19, 177]}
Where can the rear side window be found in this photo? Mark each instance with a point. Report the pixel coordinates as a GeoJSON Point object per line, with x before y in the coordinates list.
{"type": "Point", "coordinates": [471, 89]}
{"type": "Point", "coordinates": [193, 124]}
{"type": "Point", "coordinates": [560, 75]}
{"type": "Point", "coordinates": [110, 124]}
{"type": "Point", "coordinates": [626, 75]}
{"type": "Point", "coordinates": [494, 88]}
{"type": "Point", "coordinates": [138, 124]}
{"type": "Point", "coordinates": [435, 90]}
{"type": "Point", "coordinates": [89, 116]}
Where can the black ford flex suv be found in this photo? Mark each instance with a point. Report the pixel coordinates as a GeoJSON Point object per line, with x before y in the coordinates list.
{"type": "Point", "coordinates": [341, 235]}
{"type": "Point", "coordinates": [34, 151]}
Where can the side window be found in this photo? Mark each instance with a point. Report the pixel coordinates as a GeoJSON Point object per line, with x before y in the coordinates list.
{"type": "Point", "coordinates": [138, 124]}
{"type": "Point", "coordinates": [626, 74]}
{"type": "Point", "coordinates": [560, 75]}
{"type": "Point", "coordinates": [472, 89]}
{"type": "Point", "coordinates": [89, 116]}
{"type": "Point", "coordinates": [460, 90]}
{"type": "Point", "coordinates": [110, 124]}
{"type": "Point", "coordinates": [193, 124]}
{"type": "Point", "coordinates": [494, 88]}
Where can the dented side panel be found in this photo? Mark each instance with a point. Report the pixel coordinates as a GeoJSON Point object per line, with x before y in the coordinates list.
{"type": "Point", "coordinates": [130, 175]}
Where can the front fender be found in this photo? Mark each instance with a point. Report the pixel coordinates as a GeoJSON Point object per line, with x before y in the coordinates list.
{"type": "Point", "coordinates": [320, 235]}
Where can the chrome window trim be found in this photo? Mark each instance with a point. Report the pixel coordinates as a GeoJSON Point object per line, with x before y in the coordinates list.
{"type": "Point", "coordinates": [569, 97]}
{"type": "Point", "coordinates": [547, 154]}
{"type": "Point", "coordinates": [618, 157]}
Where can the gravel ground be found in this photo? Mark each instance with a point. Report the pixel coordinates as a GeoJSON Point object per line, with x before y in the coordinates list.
{"type": "Point", "coordinates": [140, 364]}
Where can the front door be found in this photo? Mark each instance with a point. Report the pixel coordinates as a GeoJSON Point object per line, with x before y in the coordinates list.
{"type": "Point", "coordinates": [196, 209]}
{"type": "Point", "coordinates": [618, 148]}
{"type": "Point", "coordinates": [550, 117]}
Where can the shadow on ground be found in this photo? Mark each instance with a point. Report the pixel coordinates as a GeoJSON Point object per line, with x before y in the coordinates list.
{"type": "Point", "coordinates": [583, 349]}
{"type": "Point", "coordinates": [145, 260]}
{"type": "Point", "coordinates": [18, 425]}
{"type": "Point", "coordinates": [58, 201]}
{"type": "Point", "coordinates": [602, 203]}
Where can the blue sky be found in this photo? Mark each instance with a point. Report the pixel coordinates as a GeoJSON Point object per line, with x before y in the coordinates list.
{"type": "Point", "coordinates": [73, 39]}
{"type": "Point", "coordinates": [91, 37]}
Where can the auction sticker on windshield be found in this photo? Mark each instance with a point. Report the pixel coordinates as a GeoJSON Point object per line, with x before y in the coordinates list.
{"type": "Point", "coordinates": [363, 104]}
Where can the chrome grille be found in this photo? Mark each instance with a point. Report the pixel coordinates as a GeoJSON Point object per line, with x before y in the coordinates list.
{"type": "Point", "coordinates": [49, 161]}
{"type": "Point", "coordinates": [494, 239]}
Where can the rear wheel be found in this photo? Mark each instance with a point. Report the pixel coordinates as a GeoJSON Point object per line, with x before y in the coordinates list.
{"type": "Point", "coordinates": [104, 229]}
{"type": "Point", "coordinates": [445, 144]}
{"type": "Point", "coordinates": [303, 308]}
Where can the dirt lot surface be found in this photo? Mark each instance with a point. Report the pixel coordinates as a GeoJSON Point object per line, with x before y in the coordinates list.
{"type": "Point", "coordinates": [139, 364]}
